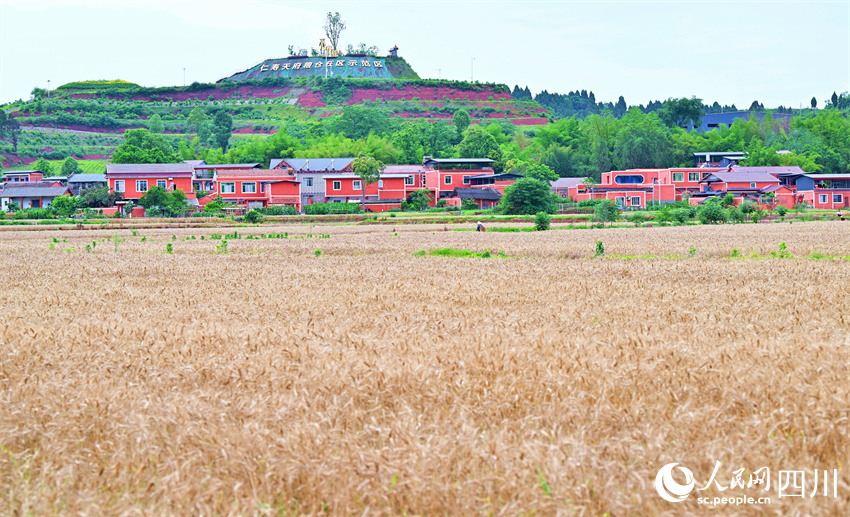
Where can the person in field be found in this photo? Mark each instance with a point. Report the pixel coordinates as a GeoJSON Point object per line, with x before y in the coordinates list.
{"type": "Point", "coordinates": [480, 227]}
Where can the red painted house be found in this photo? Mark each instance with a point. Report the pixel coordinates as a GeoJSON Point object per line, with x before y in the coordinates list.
{"type": "Point", "coordinates": [443, 175]}
{"type": "Point", "coordinates": [134, 180]}
{"type": "Point", "coordinates": [386, 193]}
{"type": "Point", "coordinates": [257, 188]}
{"type": "Point", "coordinates": [205, 175]}
{"type": "Point", "coordinates": [827, 198]}
{"type": "Point", "coordinates": [22, 176]}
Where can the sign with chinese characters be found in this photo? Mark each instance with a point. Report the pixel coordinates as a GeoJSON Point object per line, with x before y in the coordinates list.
{"type": "Point", "coordinates": [790, 483]}
{"type": "Point", "coordinates": [366, 67]}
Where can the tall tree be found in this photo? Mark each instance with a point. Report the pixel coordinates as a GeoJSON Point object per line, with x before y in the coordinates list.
{"type": "Point", "coordinates": [621, 107]}
{"type": "Point", "coordinates": [369, 171]}
{"type": "Point", "coordinates": [478, 143]}
{"type": "Point", "coordinates": [223, 128]}
{"type": "Point", "coordinates": [334, 25]}
{"type": "Point", "coordinates": [12, 132]}
{"type": "Point", "coordinates": [196, 118]}
{"type": "Point", "coordinates": [678, 112]}
{"type": "Point", "coordinates": [642, 142]}
{"type": "Point", "coordinates": [461, 120]}
{"type": "Point", "coordinates": [834, 100]}
{"type": "Point", "coordinates": [142, 146]}
{"type": "Point", "coordinates": [69, 167]}
{"type": "Point", "coordinates": [43, 166]}
{"type": "Point", "coordinates": [155, 124]}
{"type": "Point", "coordinates": [814, 103]}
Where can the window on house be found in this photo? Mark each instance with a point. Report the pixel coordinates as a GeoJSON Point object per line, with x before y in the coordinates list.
{"type": "Point", "coordinates": [308, 182]}
{"type": "Point", "coordinates": [35, 203]}
{"type": "Point", "coordinates": [823, 198]}
{"type": "Point", "coordinates": [141, 185]}
{"type": "Point", "coordinates": [380, 183]}
{"type": "Point", "coordinates": [161, 183]}
{"type": "Point", "coordinates": [119, 185]}
{"type": "Point", "coordinates": [678, 177]}
{"type": "Point", "coordinates": [337, 185]}
{"type": "Point", "coordinates": [249, 187]}
{"type": "Point", "coordinates": [838, 198]}
{"type": "Point", "coordinates": [448, 180]}
{"type": "Point", "coordinates": [408, 180]}
{"type": "Point", "coordinates": [693, 177]}
{"type": "Point", "coordinates": [752, 185]}
{"type": "Point", "coordinates": [635, 201]}
{"type": "Point", "coordinates": [628, 179]}
{"type": "Point", "coordinates": [466, 180]}
{"type": "Point", "coordinates": [356, 184]}
{"type": "Point", "coordinates": [228, 188]}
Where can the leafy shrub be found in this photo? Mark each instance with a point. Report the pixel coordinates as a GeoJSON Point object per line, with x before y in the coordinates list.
{"type": "Point", "coordinates": [278, 210]}
{"type": "Point", "coordinates": [468, 204]}
{"type": "Point", "coordinates": [253, 217]}
{"type": "Point", "coordinates": [332, 208]}
{"type": "Point", "coordinates": [34, 213]}
{"type": "Point", "coordinates": [781, 211]}
{"type": "Point", "coordinates": [542, 221]}
{"type": "Point", "coordinates": [711, 212]}
{"type": "Point", "coordinates": [736, 215]}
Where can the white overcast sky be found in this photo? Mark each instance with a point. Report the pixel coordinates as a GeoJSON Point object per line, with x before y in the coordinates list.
{"type": "Point", "coordinates": [733, 52]}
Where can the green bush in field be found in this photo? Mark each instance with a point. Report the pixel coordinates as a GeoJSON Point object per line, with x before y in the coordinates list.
{"type": "Point", "coordinates": [542, 220]}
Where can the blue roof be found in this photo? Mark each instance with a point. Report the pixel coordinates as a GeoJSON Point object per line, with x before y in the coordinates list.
{"type": "Point", "coordinates": [318, 164]}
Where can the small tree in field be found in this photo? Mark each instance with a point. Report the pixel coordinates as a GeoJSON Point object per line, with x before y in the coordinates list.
{"type": "Point", "coordinates": [64, 206]}
{"type": "Point", "coordinates": [605, 211]}
{"type": "Point", "coordinates": [369, 171]}
{"type": "Point", "coordinates": [541, 221]}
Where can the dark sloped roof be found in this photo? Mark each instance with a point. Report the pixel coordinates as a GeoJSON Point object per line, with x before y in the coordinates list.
{"type": "Point", "coordinates": [739, 177]}
{"type": "Point", "coordinates": [502, 176]}
{"type": "Point", "coordinates": [316, 164]}
{"type": "Point", "coordinates": [30, 191]}
{"type": "Point", "coordinates": [460, 160]}
{"type": "Point", "coordinates": [769, 170]}
{"type": "Point", "coordinates": [87, 178]}
{"type": "Point", "coordinates": [566, 182]}
{"type": "Point", "coordinates": [487, 194]}
{"type": "Point", "coordinates": [148, 168]}
{"type": "Point", "coordinates": [229, 166]}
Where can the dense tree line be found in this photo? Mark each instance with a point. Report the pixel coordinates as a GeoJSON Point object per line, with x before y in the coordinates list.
{"type": "Point", "coordinates": [573, 147]}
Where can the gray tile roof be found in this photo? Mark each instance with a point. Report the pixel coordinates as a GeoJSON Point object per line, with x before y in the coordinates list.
{"type": "Point", "coordinates": [563, 183]}
{"type": "Point", "coordinates": [87, 178]}
{"type": "Point", "coordinates": [148, 168]}
{"type": "Point", "coordinates": [739, 177]}
{"type": "Point", "coordinates": [33, 191]}
{"type": "Point", "coordinates": [317, 164]}
{"type": "Point", "coordinates": [770, 170]}
{"type": "Point", "coordinates": [478, 193]}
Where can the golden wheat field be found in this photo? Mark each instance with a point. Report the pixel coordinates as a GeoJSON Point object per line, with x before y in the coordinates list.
{"type": "Point", "coordinates": [375, 380]}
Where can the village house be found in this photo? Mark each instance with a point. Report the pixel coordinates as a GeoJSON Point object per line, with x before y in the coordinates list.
{"type": "Point", "coordinates": [257, 188]}
{"type": "Point", "coordinates": [134, 180]}
{"type": "Point", "coordinates": [32, 194]}
{"type": "Point", "coordinates": [311, 172]}
{"type": "Point", "coordinates": [79, 182]}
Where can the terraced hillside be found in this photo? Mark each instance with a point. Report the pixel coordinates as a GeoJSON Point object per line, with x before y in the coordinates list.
{"type": "Point", "coordinates": [86, 119]}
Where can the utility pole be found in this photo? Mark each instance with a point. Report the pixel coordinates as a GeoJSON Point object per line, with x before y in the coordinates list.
{"type": "Point", "coordinates": [439, 73]}
{"type": "Point", "coordinates": [471, 70]}
{"type": "Point", "coordinates": [184, 76]}
{"type": "Point", "coordinates": [48, 89]}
